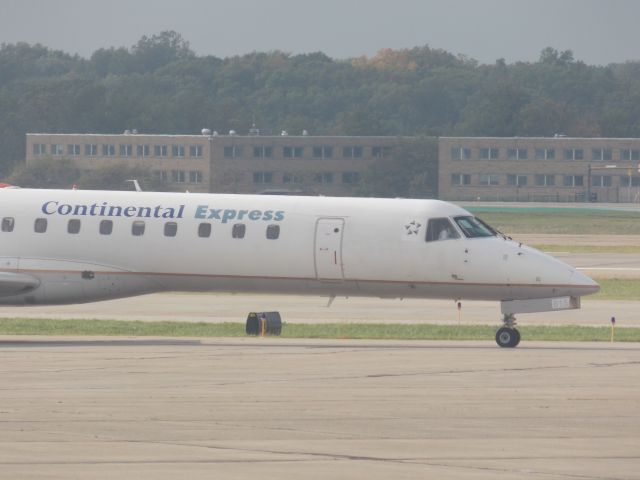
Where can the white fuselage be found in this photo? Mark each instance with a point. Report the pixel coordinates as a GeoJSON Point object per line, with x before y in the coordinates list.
{"type": "Point", "coordinates": [324, 246]}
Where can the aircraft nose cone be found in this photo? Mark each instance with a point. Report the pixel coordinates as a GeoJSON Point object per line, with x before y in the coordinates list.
{"type": "Point", "coordinates": [583, 285]}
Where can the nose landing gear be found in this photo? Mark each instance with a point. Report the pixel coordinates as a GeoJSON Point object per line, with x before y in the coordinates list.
{"type": "Point", "coordinates": [508, 336]}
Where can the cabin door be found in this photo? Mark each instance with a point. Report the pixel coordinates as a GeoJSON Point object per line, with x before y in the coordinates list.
{"type": "Point", "coordinates": [328, 249]}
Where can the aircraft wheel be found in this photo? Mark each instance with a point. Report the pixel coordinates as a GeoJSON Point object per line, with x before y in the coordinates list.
{"type": "Point", "coordinates": [507, 337]}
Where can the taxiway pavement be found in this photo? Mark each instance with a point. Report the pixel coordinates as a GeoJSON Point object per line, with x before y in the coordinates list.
{"type": "Point", "coordinates": [234, 308]}
{"type": "Point", "coordinates": [276, 409]}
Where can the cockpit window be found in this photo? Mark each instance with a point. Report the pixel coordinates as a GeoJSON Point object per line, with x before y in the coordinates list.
{"type": "Point", "coordinates": [473, 227]}
{"type": "Point", "coordinates": [441, 229]}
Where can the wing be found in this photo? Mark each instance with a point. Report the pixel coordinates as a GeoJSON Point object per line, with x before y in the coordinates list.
{"type": "Point", "coordinates": [16, 283]}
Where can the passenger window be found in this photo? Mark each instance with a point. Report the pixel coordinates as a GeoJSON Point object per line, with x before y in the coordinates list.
{"type": "Point", "coordinates": [204, 230]}
{"type": "Point", "coordinates": [106, 227]}
{"type": "Point", "coordinates": [239, 229]}
{"type": "Point", "coordinates": [137, 228]}
{"type": "Point", "coordinates": [73, 226]}
{"type": "Point", "coordinates": [40, 226]}
{"type": "Point", "coordinates": [170, 229]}
{"type": "Point", "coordinates": [273, 232]}
{"type": "Point", "coordinates": [7, 224]}
{"type": "Point", "coordinates": [441, 229]}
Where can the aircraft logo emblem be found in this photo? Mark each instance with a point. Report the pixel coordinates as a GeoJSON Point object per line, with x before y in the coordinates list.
{"type": "Point", "coordinates": [412, 228]}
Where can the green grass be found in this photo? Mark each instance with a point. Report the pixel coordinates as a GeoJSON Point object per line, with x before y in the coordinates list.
{"type": "Point", "coordinates": [588, 248]}
{"type": "Point", "coordinates": [617, 289]}
{"type": "Point", "coordinates": [324, 331]}
{"type": "Point", "coordinates": [560, 221]}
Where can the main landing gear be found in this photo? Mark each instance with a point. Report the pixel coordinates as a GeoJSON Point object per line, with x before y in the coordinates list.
{"type": "Point", "coordinates": [508, 336]}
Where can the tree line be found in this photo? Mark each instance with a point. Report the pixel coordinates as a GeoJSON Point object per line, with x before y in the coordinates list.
{"type": "Point", "coordinates": [160, 85]}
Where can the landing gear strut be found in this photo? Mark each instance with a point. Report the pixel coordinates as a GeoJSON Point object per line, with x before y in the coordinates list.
{"type": "Point", "coordinates": [508, 336]}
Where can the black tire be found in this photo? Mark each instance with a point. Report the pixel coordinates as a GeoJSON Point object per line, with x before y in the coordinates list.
{"type": "Point", "coordinates": [507, 337]}
{"type": "Point", "coordinates": [517, 337]}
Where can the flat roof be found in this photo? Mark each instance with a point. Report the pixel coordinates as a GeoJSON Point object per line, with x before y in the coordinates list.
{"type": "Point", "coordinates": [539, 138]}
{"type": "Point", "coordinates": [210, 136]}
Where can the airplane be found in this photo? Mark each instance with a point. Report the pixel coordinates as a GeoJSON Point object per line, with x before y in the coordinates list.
{"type": "Point", "coordinates": [76, 246]}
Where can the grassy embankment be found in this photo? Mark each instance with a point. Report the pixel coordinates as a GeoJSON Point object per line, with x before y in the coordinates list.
{"type": "Point", "coordinates": [328, 331]}
{"type": "Point", "coordinates": [569, 221]}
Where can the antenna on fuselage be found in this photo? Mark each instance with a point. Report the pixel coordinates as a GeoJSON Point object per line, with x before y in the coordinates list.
{"type": "Point", "coordinates": [135, 184]}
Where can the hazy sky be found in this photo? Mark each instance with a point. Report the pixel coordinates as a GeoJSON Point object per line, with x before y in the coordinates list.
{"type": "Point", "coordinates": [598, 31]}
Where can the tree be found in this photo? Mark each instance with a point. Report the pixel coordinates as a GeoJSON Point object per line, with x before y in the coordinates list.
{"type": "Point", "coordinates": [410, 172]}
{"type": "Point", "coordinates": [151, 53]}
{"type": "Point", "coordinates": [46, 173]}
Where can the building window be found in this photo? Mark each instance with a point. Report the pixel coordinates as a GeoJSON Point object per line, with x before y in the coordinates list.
{"type": "Point", "coordinates": [126, 150]}
{"type": "Point", "coordinates": [292, 178]}
{"type": "Point", "coordinates": [601, 181]}
{"type": "Point", "coordinates": [106, 227]}
{"type": "Point", "coordinates": [323, 152]}
{"type": "Point", "coordinates": [108, 150]}
{"type": "Point", "coordinates": [161, 175]}
{"type": "Point", "coordinates": [517, 180]}
{"type": "Point", "coordinates": [262, 152]}
{"type": "Point", "coordinates": [195, 176]}
{"type": "Point", "coordinates": [517, 153]}
{"type": "Point", "coordinates": [177, 151]}
{"type": "Point", "coordinates": [628, 154]}
{"type": "Point", "coordinates": [380, 152]}
{"type": "Point", "coordinates": [460, 153]}
{"type": "Point", "coordinates": [460, 179]}
{"type": "Point", "coordinates": [352, 152]}
{"type": "Point", "coordinates": [324, 177]}
{"type": "Point", "coordinates": [489, 153]}
{"type": "Point", "coordinates": [232, 151]}
{"type": "Point", "coordinates": [204, 230]}
{"type": "Point", "coordinates": [137, 228]}
{"type": "Point", "coordinates": [73, 226]}
{"type": "Point", "coordinates": [601, 154]}
{"type": "Point", "coordinates": [292, 152]}
{"type": "Point", "coordinates": [39, 149]}
{"type": "Point", "coordinates": [73, 150]}
{"type": "Point", "coordinates": [545, 154]}
{"type": "Point", "coordinates": [160, 150]}
{"type": "Point", "coordinates": [273, 232]}
{"type": "Point", "coordinates": [195, 150]}
{"type": "Point", "coordinates": [573, 154]}
{"type": "Point", "coordinates": [573, 181]}
{"type": "Point", "coordinates": [40, 225]}
{"type": "Point", "coordinates": [262, 177]}
{"type": "Point", "coordinates": [57, 149]}
{"type": "Point", "coordinates": [8, 223]}
{"type": "Point", "coordinates": [627, 181]}
{"type": "Point", "coordinates": [545, 180]}
{"type": "Point", "coordinates": [91, 150]}
{"type": "Point", "coordinates": [178, 176]}
{"type": "Point", "coordinates": [489, 179]}
{"type": "Point", "coordinates": [170, 229]}
{"type": "Point", "coordinates": [350, 178]}
{"type": "Point", "coordinates": [238, 230]}
{"type": "Point", "coordinates": [142, 150]}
